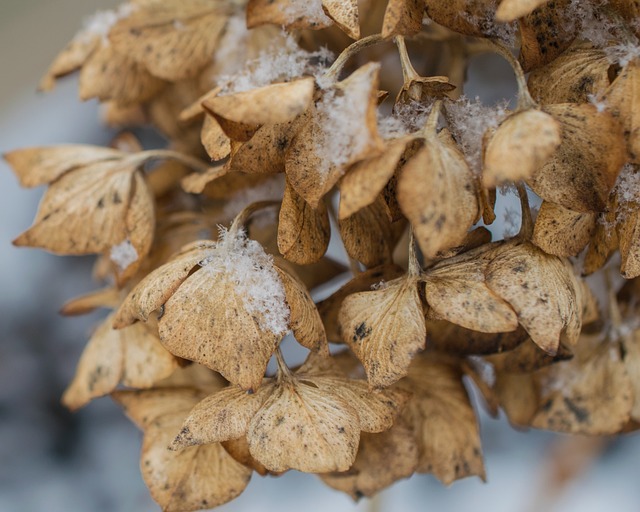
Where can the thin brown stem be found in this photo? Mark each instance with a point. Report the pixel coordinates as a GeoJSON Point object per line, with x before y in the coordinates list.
{"type": "Point", "coordinates": [242, 218]}
{"type": "Point", "coordinates": [166, 154]}
{"type": "Point", "coordinates": [334, 71]}
{"type": "Point", "coordinates": [408, 71]}
{"type": "Point", "coordinates": [414, 264]}
{"type": "Point", "coordinates": [526, 227]}
{"type": "Point", "coordinates": [525, 101]}
{"type": "Point", "coordinates": [284, 373]}
{"type": "Point", "coordinates": [431, 126]}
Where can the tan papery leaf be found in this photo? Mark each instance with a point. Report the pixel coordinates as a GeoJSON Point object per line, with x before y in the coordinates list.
{"type": "Point", "coordinates": [303, 231]}
{"type": "Point", "coordinates": [402, 18]}
{"type": "Point", "coordinates": [542, 290]}
{"type": "Point", "coordinates": [344, 13]}
{"type": "Point", "coordinates": [584, 168]}
{"type": "Point", "coordinates": [197, 477]}
{"type": "Point", "coordinates": [562, 232]}
{"type": "Point", "coordinates": [443, 420]}
{"type": "Point", "coordinates": [510, 10]}
{"type": "Point", "coordinates": [339, 131]}
{"type": "Point", "coordinates": [384, 328]}
{"type": "Point", "coordinates": [368, 234]}
{"type": "Point", "coordinates": [436, 192]}
{"type": "Point", "coordinates": [519, 147]}
{"type": "Point", "coordinates": [172, 40]}
{"type": "Point", "coordinates": [382, 460]}
{"type": "Point", "coordinates": [132, 356]}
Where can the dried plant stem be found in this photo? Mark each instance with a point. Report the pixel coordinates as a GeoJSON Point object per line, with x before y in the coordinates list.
{"type": "Point", "coordinates": [414, 264]}
{"type": "Point", "coordinates": [284, 373]}
{"type": "Point", "coordinates": [408, 71]}
{"type": "Point", "coordinates": [166, 154]}
{"type": "Point", "coordinates": [526, 228]}
{"type": "Point", "coordinates": [431, 126]}
{"type": "Point", "coordinates": [333, 72]}
{"type": "Point", "coordinates": [241, 219]}
{"type": "Point", "coordinates": [525, 101]}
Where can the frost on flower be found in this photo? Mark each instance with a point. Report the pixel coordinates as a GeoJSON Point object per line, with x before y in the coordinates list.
{"type": "Point", "coordinates": [627, 190]}
{"type": "Point", "coordinates": [310, 10]}
{"type": "Point", "coordinates": [601, 30]}
{"type": "Point", "coordinates": [341, 132]}
{"type": "Point", "coordinates": [280, 62]}
{"type": "Point", "coordinates": [244, 262]}
{"type": "Point", "coordinates": [123, 254]}
{"type": "Point", "coordinates": [468, 122]}
{"type": "Point", "coordinates": [406, 118]}
{"type": "Point", "coordinates": [100, 23]}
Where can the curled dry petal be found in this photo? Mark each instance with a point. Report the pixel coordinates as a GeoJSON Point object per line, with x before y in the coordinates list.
{"type": "Point", "coordinates": [305, 321]}
{"type": "Point", "coordinates": [478, 19]}
{"type": "Point", "coordinates": [339, 131]}
{"type": "Point", "coordinates": [584, 168]}
{"type": "Point", "coordinates": [41, 165]}
{"type": "Point", "coordinates": [562, 232]}
{"type": "Point", "coordinates": [102, 206]}
{"type": "Point", "coordinates": [242, 113]}
{"type": "Point", "coordinates": [132, 356]}
{"type": "Point", "coordinates": [344, 13]}
{"type": "Point", "coordinates": [382, 460]}
{"type": "Point", "coordinates": [368, 234]}
{"type": "Point", "coordinates": [443, 420]}
{"type": "Point", "coordinates": [292, 422]}
{"type": "Point", "coordinates": [172, 40]}
{"type": "Point", "coordinates": [201, 476]}
{"type": "Point", "coordinates": [573, 77]}
{"type": "Point", "coordinates": [436, 192]}
{"type": "Point", "coordinates": [365, 180]}
{"type": "Point", "coordinates": [206, 320]}
{"type": "Point", "coordinates": [542, 290]}
{"type": "Point", "coordinates": [303, 231]}
{"type": "Point", "coordinates": [302, 427]}
{"type": "Point", "coordinates": [154, 290]}
{"type": "Point", "coordinates": [622, 100]}
{"type": "Point", "coordinates": [330, 307]}
{"type": "Point", "coordinates": [519, 147]}
{"type": "Point", "coordinates": [510, 10]}
{"type": "Point", "coordinates": [591, 394]}
{"type": "Point", "coordinates": [293, 14]}
{"type": "Point", "coordinates": [457, 292]}
{"type": "Point", "coordinates": [402, 18]}
{"type": "Point", "coordinates": [384, 328]}
{"type": "Point", "coordinates": [545, 34]}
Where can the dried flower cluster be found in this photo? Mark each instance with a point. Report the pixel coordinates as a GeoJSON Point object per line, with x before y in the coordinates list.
{"type": "Point", "coordinates": [210, 247]}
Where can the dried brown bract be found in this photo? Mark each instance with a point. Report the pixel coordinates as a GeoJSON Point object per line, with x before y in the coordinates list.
{"type": "Point", "coordinates": [342, 173]}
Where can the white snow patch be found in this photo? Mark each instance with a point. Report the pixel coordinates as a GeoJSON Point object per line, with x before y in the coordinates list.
{"type": "Point", "coordinates": [597, 102]}
{"type": "Point", "coordinates": [256, 281]}
{"type": "Point", "coordinates": [627, 189]}
{"type": "Point", "coordinates": [341, 130]}
{"type": "Point", "coordinates": [100, 23]}
{"type": "Point", "coordinates": [469, 121]}
{"type": "Point", "coordinates": [123, 254]}
{"type": "Point", "coordinates": [308, 10]}
{"type": "Point", "coordinates": [280, 62]}
{"type": "Point", "coordinates": [406, 118]}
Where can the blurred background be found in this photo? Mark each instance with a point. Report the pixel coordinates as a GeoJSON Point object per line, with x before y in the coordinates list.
{"type": "Point", "coordinates": [54, 461]}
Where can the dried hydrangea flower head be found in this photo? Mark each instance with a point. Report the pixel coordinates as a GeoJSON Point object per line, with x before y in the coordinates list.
{"type": "Point", "coordinates": [286, 133]}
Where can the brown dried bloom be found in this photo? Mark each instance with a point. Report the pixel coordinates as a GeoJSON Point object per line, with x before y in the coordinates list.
{"type": "Point", "coordinates": [210, 265]}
